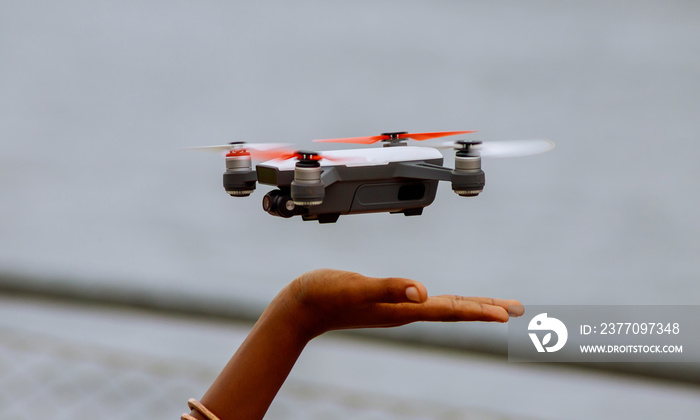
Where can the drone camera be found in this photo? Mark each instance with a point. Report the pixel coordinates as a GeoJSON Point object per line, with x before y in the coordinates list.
{"type": "Point", "coordinates": [278, 203]}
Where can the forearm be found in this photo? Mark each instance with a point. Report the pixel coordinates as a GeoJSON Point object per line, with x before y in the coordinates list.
{"type": "Point", "coordinates": [325, 300]}
{"type": "Point", "coordinates": [251, 379]}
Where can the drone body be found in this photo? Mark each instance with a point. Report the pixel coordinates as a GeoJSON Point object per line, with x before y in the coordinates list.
{"type": "Point", "coordinates": [396, 178]}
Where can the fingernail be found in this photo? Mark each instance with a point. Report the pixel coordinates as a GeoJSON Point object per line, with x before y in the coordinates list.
{"type": "Point", "coordinates": [516, 310]}
{"type": "Point", "coordinates": [412, 294]}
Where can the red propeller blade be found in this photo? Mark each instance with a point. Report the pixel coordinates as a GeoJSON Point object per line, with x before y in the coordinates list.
{"type": "Point", "coordinates": [267, 154]}
{"type": "Point", "coordinates": [357, 140]}
{"type": "Point", "coordinates": [281, 154]}
{"type": "Point", "coordinates": [374, 139]}
{"type": "Point", "coordinates": [428, 136]}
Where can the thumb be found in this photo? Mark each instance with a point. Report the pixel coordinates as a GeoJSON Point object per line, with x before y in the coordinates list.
{"type": "Point", "coordinates": [397, 290]}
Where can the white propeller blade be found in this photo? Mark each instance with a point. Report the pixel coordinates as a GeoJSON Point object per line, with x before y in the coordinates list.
{"type": "Point", "coordinates": [262, 147]}
{"type": "Point", "coordinates": [506, 148]}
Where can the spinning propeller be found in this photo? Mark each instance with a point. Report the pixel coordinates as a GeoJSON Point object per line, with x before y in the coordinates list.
{"type": "Point", "coordinates": [270, 151]}
{"type": "Point", "coordinates": [307, 156]}
{"type": "Point", "coordinates": [258, 151]}
{"type": "Point", "coordinates": [282, 151]}
{"type": "Point", "coordinates": [394, 137]}
{"type": "Point", "coordinates": [499, 149]}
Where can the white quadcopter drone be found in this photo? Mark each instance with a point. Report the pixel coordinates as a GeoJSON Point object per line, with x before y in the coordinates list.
{"type": "Point", "coordinates": [396, 178]}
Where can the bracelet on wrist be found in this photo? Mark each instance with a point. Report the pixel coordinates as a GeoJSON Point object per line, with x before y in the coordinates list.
{"type": "Point", "coordinates": [197, 406]}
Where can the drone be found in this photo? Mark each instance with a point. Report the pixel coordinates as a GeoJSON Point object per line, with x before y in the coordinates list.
{"type": "Point", "coordinates": [396, 178]}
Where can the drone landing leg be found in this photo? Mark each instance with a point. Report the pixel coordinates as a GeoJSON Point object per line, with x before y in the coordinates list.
{"type": "Point", "coordinates": [328, 218]}
{"type": "Point", "coordinates": [413, 212]}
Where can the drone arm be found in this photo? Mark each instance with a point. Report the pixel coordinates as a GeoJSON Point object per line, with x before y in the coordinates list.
{"type": "Point", "coordinates": [329, 176]}
{"type": "Point", "coordinates": [423, 171]}
{"type": "Point", "coordinates": [466, 182]}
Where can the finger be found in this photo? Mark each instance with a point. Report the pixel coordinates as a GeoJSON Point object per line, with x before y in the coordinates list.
{"type": "Point", "coordinates": [466, 309]}
{"type": "Point", "coordinates": [395, 290]}
{"type": "Point", "coordinates": [516, 309]}
{"type": "Point", "coordinates": [450, 309]}
{"type": "Point", "coordinates": [513, 307]}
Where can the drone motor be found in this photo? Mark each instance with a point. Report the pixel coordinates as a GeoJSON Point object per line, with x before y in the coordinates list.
{"type": "Point", "coordinates": [394, 138]}
{"type": "Point", "coordinates": [239, 178]}
{"type": "Point", "coordinates": [468, 179]}
{"type": "Point", "coordinates": [307, 188]}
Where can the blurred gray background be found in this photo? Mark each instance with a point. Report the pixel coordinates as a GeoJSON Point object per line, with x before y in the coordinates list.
{"type": "Point", "coordinates": [98, 98]}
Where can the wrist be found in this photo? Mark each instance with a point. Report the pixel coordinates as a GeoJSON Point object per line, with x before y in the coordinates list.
{"type": "Point", "coordinates": [292, 309]}
{"type": "Point", "coordinates": [287, 316]}
{"type": "Point", "coordinates": [251, 379]}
